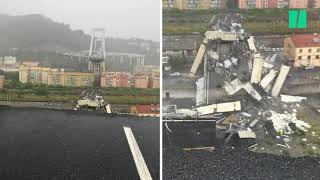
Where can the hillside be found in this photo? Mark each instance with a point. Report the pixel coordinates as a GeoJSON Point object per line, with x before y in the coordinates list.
{"type": "Point", "coordinates": [36, 33]}
{"type": "Point", "coordinates": [39, 33]}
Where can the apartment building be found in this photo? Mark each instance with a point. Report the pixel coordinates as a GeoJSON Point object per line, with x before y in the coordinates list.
{"type": "Point", "coordinates": [141, 80]}
{"type": "Point", "coordinates": [298, 4]}
{"type": "Point", "coordinates": [316, 3]}
{"type": "Point", "coordinates": [261, 4]}
{"type": "Point", "coordinates": [249, 4]}
{"type": "Point", "coordinates": [272, 4]}
{"type": "Point", "coordinates": [34, 75]}
{"type": "Point", "coordinates": [154, 82]}
{"type": "Point", "coordinates": [193, 4]}
{"type": "Point", "coordinates": [303, 50]}
{"type": "Point", "coordinates": [9, 64]}
{"type": "Point", "coordinates": [30, 63]}
{"type": "Point", "coordinates": [115, 79]}
{"type": "Point", "coordinates": [8, 60]}
{"type": "Point", "coordinates": [282, 3]}
{"type": "Point", "coordinates": [45, 75]}
{"type": "Point", "coordinates": [242, 4]}
{"type": "Point", "coordinates": [75, 79]}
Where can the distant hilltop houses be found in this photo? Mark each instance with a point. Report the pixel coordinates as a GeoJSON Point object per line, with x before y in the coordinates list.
{"type": "Point", "coordinates": [242, 4]}
{"type": "Point", "coordinates": [9, 64]}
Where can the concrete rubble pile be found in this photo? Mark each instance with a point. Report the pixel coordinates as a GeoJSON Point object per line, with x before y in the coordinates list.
{"type": "Point", "coordinates": [281, 122]}
{"type": "Point", "coordinates": [230, 56]}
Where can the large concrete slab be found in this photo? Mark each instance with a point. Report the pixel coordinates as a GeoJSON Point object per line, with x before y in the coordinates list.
{"type": "Point", "coordinates": [221, 107]}
{"type": "Point", "coordinates": [284, 70]}
{"type": "Point", "coordinates": [256, 69]}
{"type": "Point", "coordinates": [198, 58]}
{"type": "Point", "coordinates": [267, 79]}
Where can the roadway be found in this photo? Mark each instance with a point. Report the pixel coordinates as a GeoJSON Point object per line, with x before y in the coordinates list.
{"type": "Point", "coordinates": [65, 144]}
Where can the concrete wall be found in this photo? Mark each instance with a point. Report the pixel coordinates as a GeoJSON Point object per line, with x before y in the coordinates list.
{"type": "Point", "coordinates": [302, 89]}
{"type": "Point", "coordinates": [284, 70]}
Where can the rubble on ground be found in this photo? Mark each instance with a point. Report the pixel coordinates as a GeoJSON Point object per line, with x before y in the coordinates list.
{"type": "Point", "coordinates": [281, 122]}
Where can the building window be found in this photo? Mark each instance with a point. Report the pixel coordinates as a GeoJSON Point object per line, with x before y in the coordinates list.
{"type": "Point", "coordinates": [309, 50]}
{"type": "Point", "coordinates": [318, 50]}
{"type": "Point", "coordinates": [299, 57]}
{"type": "Point", "coordinates": [300, 50]}
{"type": "Point", "coordinates": [309, 57]}
{"type": "Point", "coordinates": [317, 56]}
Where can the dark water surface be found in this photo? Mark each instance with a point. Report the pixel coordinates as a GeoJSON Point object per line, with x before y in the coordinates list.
{"type": "Point", "coordinates": [45, 144]}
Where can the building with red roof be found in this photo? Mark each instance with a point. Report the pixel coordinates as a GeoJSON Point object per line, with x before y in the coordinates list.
{"type": "Point", "coordinates": [146, 110]}
{"type": "Point", "coordinates": [303, 50]}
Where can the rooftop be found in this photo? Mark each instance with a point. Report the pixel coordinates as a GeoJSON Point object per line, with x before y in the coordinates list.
{"type": "Point", "coordinates": [148, 109]}
{"type": "Point", "coordinates": [306, 40]}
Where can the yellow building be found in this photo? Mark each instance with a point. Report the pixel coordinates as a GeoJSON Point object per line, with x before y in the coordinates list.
{"type": "Point", "coordinates": [154, 82]}
{"type": "Point", "coordinates": [141, 80]}
{"type": "Point", "coordinates": [191, 4]}
{"type": "Point", "coordinates": [70, 78]}
{"type": "Point", "coordinates": [44, 75]}
{"type": "Point", "coordinates": [303, 50]}
{"type": "Point", "coordinates": [34, 75]}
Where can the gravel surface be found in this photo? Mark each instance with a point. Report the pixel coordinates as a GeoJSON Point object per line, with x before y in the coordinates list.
{"type": "Point", "coordinates": [236, 164]}
{"type": "Point", "coordinates": [41, 144]}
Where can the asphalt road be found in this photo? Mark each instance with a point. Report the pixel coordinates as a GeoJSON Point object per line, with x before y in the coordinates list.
{"type": "Point", "coordinates": [237, 164]}
{"type": "Point", "coordinates": [39, 144]}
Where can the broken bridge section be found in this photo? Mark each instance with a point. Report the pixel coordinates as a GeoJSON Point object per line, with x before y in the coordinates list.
{"type": "Point", "coordinates": [236, 83]}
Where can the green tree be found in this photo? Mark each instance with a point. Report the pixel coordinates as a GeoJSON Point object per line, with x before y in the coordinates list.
{"type": "Point", "coordinates": [177, 62]}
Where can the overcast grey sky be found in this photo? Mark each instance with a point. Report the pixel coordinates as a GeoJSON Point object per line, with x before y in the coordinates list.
{"type": "Point", "coordinates": [121, 18]}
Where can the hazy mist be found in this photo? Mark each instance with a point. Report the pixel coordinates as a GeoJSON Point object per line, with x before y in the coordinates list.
{"type": "Point", "coordinates": [121, 18]}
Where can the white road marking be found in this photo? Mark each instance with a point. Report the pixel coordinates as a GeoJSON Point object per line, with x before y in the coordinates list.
{"type": "Point", "coordinates": [137, 156]}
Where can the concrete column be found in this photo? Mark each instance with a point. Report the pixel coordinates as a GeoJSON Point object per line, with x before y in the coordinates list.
{"type": "Point", "coordinates": [268, 78]}
{"type": "Point", "coordinates": [198, 59]}
{"type": "Point", "coordinates": [284, 70]}
{"type": "Point", "coordinates": [257, 69]}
